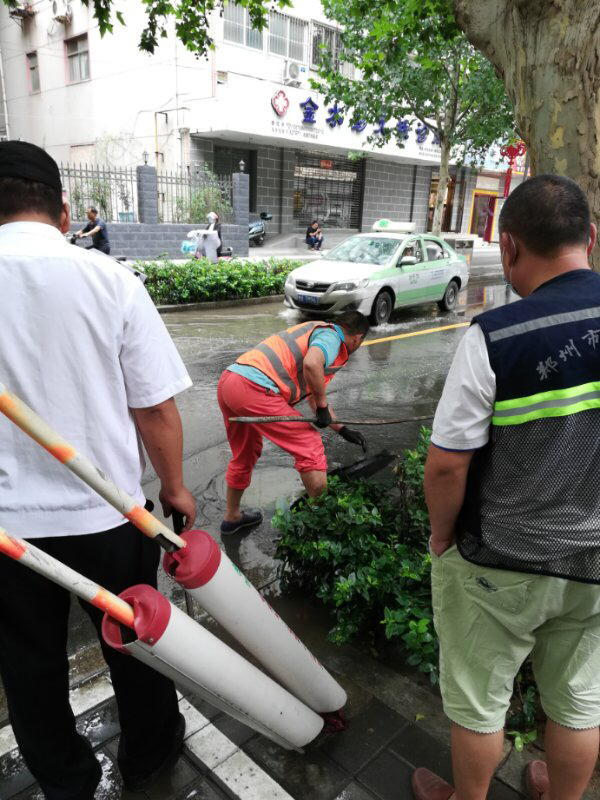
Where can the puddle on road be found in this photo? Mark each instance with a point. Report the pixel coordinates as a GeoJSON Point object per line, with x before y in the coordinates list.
{"type": "Point", "coordinates": [269, 484]}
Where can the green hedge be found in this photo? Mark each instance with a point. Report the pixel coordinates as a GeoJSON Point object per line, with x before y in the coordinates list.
{"type": "Point", "coordinates": [199, 280]}
{"type": "Point", "coordinates": [362, 549]}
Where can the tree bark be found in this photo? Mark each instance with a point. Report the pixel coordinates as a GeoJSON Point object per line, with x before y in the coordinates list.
{"type": "Point", "coordinates": [547, 52]}
{"type": "Point", "coordinates": [442, 187]}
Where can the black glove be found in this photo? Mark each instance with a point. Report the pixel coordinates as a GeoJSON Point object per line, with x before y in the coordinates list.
{"type": "Point", "coordinates": [354, 437]}
{"type": "Point", "coordinates": [324, 418]}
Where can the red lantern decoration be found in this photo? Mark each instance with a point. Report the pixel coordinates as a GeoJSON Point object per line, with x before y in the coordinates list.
{"type": "Point", "coordinates": [511, 152]}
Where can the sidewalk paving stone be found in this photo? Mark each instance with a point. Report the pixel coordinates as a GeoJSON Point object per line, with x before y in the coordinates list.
{"type": "Point", "coordinates": [368, 732]}
{"type": "Point", "coordinates": [310, 776]}
{"type": "Point", "coordinates": [387, 777]}
{"type": "Point", "coordinates": [417, 747]}
{"type": "Point", "coordinates": [355, 792]}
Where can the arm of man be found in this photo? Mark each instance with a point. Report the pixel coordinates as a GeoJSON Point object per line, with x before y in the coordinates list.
{"type": "Point", "coordinates": [82, 231]}
{"type": "Point", "coordinates": [461, 426]}
{"type": "Point", "coordinates": [160, 430]}
{"type": "Point", "coordinates": [445, 484]}
{"type": "Point", "coordinates": [97, 229]}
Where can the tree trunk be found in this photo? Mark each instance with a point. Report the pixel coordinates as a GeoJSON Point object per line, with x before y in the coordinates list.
{"type": "Point", "coordinates": [442, 186]}
{"type": "Point", "coordinates": [547, 52]}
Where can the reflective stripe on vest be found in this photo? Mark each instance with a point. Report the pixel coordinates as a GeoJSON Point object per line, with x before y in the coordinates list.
{"type": "Point", "coordinates": [285, 365]}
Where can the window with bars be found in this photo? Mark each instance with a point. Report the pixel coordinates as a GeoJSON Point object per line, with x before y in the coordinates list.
{"type": "Point", "coordinates": [329, 40]}
{"type": "Point", "coordinates": [287, 36]}
{"type": "Point", "coordinates": [34, 72]}
{"type": "Point", "coordinates": [78, 59]}
{"type": "Point", "coordinates": [237, 27]}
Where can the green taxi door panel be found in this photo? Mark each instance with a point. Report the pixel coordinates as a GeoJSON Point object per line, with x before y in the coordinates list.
{"type": "Point", "coordinates": [411, 276]}
{"type": "Point", "coordinates": [438, 276]}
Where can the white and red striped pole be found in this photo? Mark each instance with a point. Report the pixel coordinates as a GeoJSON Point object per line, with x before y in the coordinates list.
{"type": "Point", "coordinates": [31, 556]}
{"type": "Point", "coordinates": [166, 639]}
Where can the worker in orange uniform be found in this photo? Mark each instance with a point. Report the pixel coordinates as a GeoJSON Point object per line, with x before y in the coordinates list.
{"type": "Point", "coordinates": [268, 381]}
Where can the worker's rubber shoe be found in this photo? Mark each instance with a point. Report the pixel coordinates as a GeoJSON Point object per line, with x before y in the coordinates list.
{"type": "Point", "coordinates": [426, 785]}
{"type": "Point", "coordinates": [248, 520]}
{"type": "Point", "coordinates": [536, 778]}
{"type": "Point", "coordinates": [135, 783]}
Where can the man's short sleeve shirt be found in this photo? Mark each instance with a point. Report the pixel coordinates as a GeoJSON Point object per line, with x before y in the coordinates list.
{"type": "Point", "coordinates": [82, 343]}
{"type": "Point", "coordinates": [463, 415]}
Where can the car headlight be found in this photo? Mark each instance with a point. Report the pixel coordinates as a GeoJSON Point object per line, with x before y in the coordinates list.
{"type": "Point", "coordinates": [290, 282]}
{"type": "Point", "coordinates": [348, 286]}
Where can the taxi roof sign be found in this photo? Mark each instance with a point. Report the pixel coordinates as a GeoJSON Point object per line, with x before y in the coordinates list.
{"type": "Point", "coordinates": [383, 225]}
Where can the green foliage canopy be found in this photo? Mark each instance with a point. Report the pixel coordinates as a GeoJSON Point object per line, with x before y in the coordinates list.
{"type": "Point", "coordinates": [412, 60]}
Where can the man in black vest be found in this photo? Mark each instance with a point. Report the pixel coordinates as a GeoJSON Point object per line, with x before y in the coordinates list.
{"type": "Point", "coordinates": [512, 487]}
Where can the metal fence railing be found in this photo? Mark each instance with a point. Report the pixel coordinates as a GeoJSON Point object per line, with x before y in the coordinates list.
{"type": "Point", "coordinates": [112, 190]}
{"type": "Point", "coordinates": [189, 196]}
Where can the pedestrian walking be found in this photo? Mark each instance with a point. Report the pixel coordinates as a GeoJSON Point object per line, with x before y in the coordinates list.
{"type": "Point", "coordinates": [96, 228]}
{"type": "Point", "coordinates": [271, 379]}
{"type": "Point", "coordinates": [314, 235]}
{"type": "Point", "coordinates": [511, 482]}
{"type": "Point", "coordinates": [84, 346]}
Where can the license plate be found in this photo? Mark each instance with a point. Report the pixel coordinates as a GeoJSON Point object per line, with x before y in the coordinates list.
{"type": "Point", "coordinates": [308, 299]}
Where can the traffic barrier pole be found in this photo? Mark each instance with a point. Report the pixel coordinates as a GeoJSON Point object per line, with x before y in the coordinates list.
{"type": "Point", "coordinates": [31, 556]}
{"type": "Point", "coordinates": [33, 425]}
{"type": "Point", "coordinates": [176, 646]}
{"type": "Point", "coordinates": [163, 637]}
{"type": "Point", "coordinates": [208, 575]}
{"type": "Point", "coordinates": [281, 653]}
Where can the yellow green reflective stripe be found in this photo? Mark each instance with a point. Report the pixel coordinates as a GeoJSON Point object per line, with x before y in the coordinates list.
{"type": "Point", "coordinates": [555, 394]}
{"type": "Point", "coordinates": [558, 403]}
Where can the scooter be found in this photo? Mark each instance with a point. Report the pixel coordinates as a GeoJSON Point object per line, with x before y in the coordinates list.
{"type": "Point", "coordinates": [257, 229]}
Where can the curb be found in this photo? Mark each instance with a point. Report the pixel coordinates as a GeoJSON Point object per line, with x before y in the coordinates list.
{"type": "Point", "coordinates": [212, 304]}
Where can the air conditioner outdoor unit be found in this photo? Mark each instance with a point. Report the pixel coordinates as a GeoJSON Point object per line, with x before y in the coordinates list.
{"type": "Point", "coordinates": [294, 74]}
{"type": "Point", "coordinates": [62, 11]}
{"type": "Point", "coordinates": [22, 11]}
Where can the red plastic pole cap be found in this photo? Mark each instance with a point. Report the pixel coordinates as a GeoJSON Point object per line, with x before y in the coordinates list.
{"type": "Point", "coordinates": [196, 564]}
{"type": "Point", "coordinates": [151, 612]}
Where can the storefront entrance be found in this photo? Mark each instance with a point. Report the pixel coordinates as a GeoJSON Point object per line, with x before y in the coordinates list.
{"type": "Point", "coordinates": [482, 215]}
{"type": "Point", "coordinates": [328, 188]}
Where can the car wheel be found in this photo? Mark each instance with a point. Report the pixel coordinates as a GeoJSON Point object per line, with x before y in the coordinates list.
{"type": "Point", "coordinates": [450, 298]}
{"type": "Point", "coordinates": [260, 241]}
{"type": "Point", "coordinates": [383, 306]}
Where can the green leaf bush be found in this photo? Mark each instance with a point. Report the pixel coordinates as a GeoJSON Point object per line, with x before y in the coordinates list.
{"type": "Point", "coordinates": [362, 549]}
{"type": "Point", "coordinates": [199, 280]}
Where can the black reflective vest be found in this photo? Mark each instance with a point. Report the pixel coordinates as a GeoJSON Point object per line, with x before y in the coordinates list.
{"type": "Point", "coordinates": [532, 502]}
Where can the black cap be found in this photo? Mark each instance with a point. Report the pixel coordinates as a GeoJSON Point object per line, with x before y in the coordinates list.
{"type": "Point", "coordinates": [30, 163]}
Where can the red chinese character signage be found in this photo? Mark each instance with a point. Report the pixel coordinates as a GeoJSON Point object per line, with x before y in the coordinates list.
{"type": "Point", "coordinates": [326, 163]}
{"type": "Point", "coordinates": [280, 103]}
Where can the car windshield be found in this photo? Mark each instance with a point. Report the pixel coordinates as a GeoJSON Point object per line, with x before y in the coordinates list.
{"type": "Point", "coordinates": [365, 250]}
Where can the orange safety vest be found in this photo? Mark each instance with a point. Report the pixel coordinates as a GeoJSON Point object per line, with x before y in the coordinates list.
{"type": "Point", "coordinates": [281, 358]}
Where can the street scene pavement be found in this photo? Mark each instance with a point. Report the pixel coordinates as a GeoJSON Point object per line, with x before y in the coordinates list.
{"type": "Point", "coordinates": [395, 720]}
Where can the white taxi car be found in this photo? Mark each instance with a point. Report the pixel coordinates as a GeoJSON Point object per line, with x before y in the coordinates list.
{"type": "Point", "coordinates": [378, 272]}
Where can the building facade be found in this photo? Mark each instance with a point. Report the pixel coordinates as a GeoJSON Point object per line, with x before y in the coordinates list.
{"type": "Point", "coordinates": [94, 100]}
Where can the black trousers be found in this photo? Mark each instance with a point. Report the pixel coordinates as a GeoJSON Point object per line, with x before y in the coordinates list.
{"type": "Point", "coordinates": [35, 672]}
{"type": "Point", "coordinates": [104, 248]}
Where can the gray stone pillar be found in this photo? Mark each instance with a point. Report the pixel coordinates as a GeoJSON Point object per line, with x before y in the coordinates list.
{"type": "Point", "coordinates": [241, 210]}
{"type": "Point", "coordinates": [147, 192]}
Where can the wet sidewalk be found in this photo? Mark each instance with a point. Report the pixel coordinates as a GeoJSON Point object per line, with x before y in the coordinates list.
{"type": "Point", "coordinates": [395, 723]}
{"type": "Point", "coordinates": [372, 760]}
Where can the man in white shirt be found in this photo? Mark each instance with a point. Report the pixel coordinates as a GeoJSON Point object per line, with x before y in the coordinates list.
{"type": "Point", "coordinates": [84, 346]}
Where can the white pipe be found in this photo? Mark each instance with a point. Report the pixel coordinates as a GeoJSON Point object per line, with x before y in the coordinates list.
{"type": "Point", "coordinates": [211, 578]}
{"type": "Point", "coordinates": [179, 648]}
